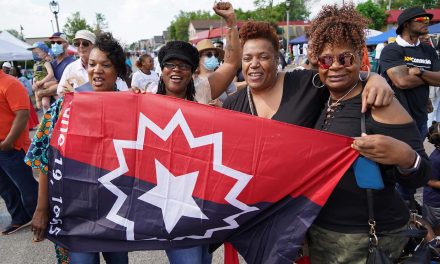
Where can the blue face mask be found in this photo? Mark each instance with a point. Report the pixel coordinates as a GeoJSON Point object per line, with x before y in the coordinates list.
{"type": "Point", "coordinates": [211, 63]}
{"type": "Point", "coordinates": [35, 57]}
{"type": "Point", "coordinates": [57, 49]}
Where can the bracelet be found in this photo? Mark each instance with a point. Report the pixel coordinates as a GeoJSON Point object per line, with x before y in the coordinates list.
{"type": "Point", "coordinates": [230, 28]}
{"type": "Point", "coordinates": [414, 167]}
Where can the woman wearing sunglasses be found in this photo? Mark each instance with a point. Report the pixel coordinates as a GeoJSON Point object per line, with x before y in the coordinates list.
{"type": "Point", "coordinates": [75, 74]}
{"type": "Point", "coordinates": [340, 232]}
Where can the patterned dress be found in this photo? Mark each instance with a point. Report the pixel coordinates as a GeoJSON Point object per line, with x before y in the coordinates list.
{"type": "Point", "coordinates": [36, 157]}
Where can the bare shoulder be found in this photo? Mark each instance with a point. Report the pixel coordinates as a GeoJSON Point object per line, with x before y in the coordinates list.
{"type": "Point", "coordinates": [393, 114]}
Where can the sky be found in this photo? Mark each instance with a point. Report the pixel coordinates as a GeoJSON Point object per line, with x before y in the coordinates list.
{"type": "Point", "coordinates": [128, 20]}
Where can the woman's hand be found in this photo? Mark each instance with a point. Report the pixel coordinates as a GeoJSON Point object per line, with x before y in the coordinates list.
{"type": "Point", "coordinates": [385, 150]}
{"type": "Point", "coordinates": [225, 10]}
{"type": "Point", "coordinates": [39, 224]}
{"type": "Point", "coordinates": [377, 93]}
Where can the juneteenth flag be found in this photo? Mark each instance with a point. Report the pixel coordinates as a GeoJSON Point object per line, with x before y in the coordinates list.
{"type": "Point", "coordinates": [139, 172]}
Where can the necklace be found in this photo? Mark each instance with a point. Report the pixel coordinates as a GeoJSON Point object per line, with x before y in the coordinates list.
{"type": "Point", "coordinates": [251, 101]}
{"type": "Point", "coordinates": [335, 104]}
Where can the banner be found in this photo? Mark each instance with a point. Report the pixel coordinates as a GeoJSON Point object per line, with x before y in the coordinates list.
{"type": "Point", "coordinates": [139, 172]}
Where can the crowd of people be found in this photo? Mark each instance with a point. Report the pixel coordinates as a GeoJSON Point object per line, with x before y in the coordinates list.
{"type": "Point", "coordinates": [335, 92]}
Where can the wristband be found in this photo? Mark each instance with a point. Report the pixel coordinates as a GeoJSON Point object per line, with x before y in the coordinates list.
{"type": "Point", "coordinates": [231, 27]}
{"type": "Point", "coordinates": [413, 168]}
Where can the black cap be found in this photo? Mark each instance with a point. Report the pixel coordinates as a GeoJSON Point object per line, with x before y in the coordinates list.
{"type": "Point", "coordinates": [179, 50]}
{"type": "Point", "coordinates": [408, 14]}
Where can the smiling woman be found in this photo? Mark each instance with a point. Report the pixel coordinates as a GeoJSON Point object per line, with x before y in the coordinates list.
{"type": "Point", "coordinates": [106, 63]}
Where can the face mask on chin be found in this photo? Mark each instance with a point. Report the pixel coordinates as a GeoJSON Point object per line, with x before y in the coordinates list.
{"type": "Point", "coordinates": [36, 57]}
{"type": "Point", "coordinates": [211, 63]}
{"type": "Point", "coordinates": [57, 49]}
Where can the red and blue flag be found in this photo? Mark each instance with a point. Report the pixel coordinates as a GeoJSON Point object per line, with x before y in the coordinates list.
{"type": "Point", "coordinates": [142, 172]}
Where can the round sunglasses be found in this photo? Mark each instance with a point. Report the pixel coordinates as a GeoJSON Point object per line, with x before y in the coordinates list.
{"type": "Point", "coordinates": [345, 59]}
{"type": "Point", "coordinates": [209, 54]}
{"type": "Point", "coordinates": [85, 44]}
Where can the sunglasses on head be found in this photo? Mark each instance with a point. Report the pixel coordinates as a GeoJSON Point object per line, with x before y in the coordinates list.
{"type": "Point", "coordinates": [85, 44]}
{"type": "Point", "coordinates": [422, 19]}
{"type": "Point", "coordinates": [57, 42]}
{"type": "Point", "coordinates": [180, 66]}
{"type": "Point", "coordinates": [209, 54]}
{"type": "Point", "coordinates": [344, 59]}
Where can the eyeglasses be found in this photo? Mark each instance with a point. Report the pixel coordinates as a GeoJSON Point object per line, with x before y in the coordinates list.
{"type": "Point", "coordinates": [209, 54]}
{"type": "Point", "coordinates": [344, 59]}
{"type": "Point", "coordinates": [180, 66]}
{"type": "Point", "coordinates": [85, 44]}
{"type": "Point", "coordinates": [57, 42]}
{"type": "Point", "coordinates": [423, 19]}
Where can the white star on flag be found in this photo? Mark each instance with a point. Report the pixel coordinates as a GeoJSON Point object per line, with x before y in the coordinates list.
{"type": "Point", "coordinates": [173, 195]}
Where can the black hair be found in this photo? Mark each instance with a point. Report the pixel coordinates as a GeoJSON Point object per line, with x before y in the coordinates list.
{"type": "Point", "coordinates": [433, 134]}
{"type": "Point", "coordinates": [106, 43]}
{"type": "Point", "coordinates": [17, 71]}
{"type": "Point", "coordinates": [190, 89]}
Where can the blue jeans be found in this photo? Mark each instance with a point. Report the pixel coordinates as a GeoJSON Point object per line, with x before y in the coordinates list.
{"type": "Point", "coordinates": [18, 188]}
{"type": "Point", "coordinates": [93, 257]}
{"type": "Point", "coordinates": [194, 255]}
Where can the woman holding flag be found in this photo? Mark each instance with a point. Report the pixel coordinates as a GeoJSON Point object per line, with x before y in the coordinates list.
{"type": "Point", "coordinates": [106, 64]}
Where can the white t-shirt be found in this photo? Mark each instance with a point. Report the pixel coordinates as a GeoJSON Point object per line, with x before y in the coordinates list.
{"type": "Point", "coordinates": [76, 74]}
{"type": "Point", "coordinates": [148, 82]}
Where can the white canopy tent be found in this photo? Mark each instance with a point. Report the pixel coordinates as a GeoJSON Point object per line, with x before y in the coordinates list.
{"type": "Point", "coordinates": [12, 48]}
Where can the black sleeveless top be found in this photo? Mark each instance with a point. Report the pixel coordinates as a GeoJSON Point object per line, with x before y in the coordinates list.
{"type": "Point", "coordinates": [346, 210]}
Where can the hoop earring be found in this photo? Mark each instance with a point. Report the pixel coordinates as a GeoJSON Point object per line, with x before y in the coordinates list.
{"type": "Point", "coordinates": [368, 74]}
{"type": "Point", "coordinates": [314, 84]}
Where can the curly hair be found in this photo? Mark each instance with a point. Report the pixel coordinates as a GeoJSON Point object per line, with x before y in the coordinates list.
{"type": "Point", "coordinates": [338, 26]}
{"type": "Point", "coordinates": [259, 30]}
{"type": "Point", "coordinates": [434, 134]}
{"type": "Point", "coordinates": [115, 53]}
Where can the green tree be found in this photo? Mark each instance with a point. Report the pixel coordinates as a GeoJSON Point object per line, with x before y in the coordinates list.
{"type": "Point", "coordinates": [178, 30]}
{"type": "Point", "coordinates": [101, 23]}
{"type": "Point", "coordinates": [267, 11]}
{"type": "Point", "coordinates": [403, 4]}
{"type": "Point", "coordinates": [374, 12]}
{"type": "Point", "coordinates": [75, 23]}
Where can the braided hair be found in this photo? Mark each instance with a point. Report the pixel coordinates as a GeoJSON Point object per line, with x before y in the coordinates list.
{"type": "Point", "coordinates": [190, 89]}
{"type": "Point", "coordinates": [433, 134]}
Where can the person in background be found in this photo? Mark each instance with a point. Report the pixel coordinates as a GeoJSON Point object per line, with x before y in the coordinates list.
{"type": "Point", "coordinates": [431, 192]}
{"type": "Point", "coordinates": [59, 47]}
{"type": "Point", "coordinates": [6, 67]}
{"type": "Point", "coordinates": [145, 78]}
{"type": "Point", "coordinates": [33, 117]}
{"type": "Point", "coordinates": [18, 188]}
{"type": "Point", "coordinates": [129, 66]}
{"type": "Point", "coordinates": [43, 74]}
{"type": "Point", "coordinates": [411, 66]}
{"type": "Point", "coordinates": [105, 64]}
{"type": "Point", "coordinates": [378, 51]}
{"type": "Point", "coordinates": [218, 44]}
{"type": "Point", "coordinates": [210, 58]}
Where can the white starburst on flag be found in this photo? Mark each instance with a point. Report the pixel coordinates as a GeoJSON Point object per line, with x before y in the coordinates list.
{"type": "Point", "coordinates": [211, 139]}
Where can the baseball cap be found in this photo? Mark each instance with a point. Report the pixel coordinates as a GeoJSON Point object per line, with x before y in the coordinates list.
{"type": "Point", "coordinates": [6, 64]}
{"type": "Point", "coordinates": [59, 35]}
{"type": "Point", "coordinates": [39, 45]}
{"type": "Point", "coordinates": [85, 34]}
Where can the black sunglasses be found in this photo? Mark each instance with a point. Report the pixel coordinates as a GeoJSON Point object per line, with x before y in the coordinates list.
{"type": "Point", "coordinates": [181, 66]}
{"type": "Point", "coordinates": [209, 54]}
{"type": "Point", "coordinates": [57, 42]}
{"type": "Point", "coordinates": [344, 59]}
{"type": "Point", "coordinates": [85, 44]}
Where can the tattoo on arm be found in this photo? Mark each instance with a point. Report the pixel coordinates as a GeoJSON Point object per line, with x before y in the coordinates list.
{"type": "Point", "coordinates": [228, 47]}
{"type": "Point", "coordinates": [399, 71]}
